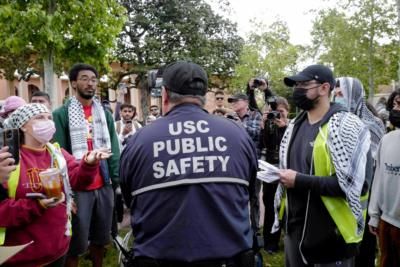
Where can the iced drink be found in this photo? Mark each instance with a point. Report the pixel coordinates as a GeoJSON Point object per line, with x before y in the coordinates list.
{"type": "Point", "coordinates": [51, 182]}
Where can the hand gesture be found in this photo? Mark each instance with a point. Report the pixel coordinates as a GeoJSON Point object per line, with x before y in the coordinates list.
{"type": "Point", "coordinates": [93, 157]}
{"type": "Point", "coordinates": [6, 164]}
{"type": "Point", "coordinates": [52, 202]}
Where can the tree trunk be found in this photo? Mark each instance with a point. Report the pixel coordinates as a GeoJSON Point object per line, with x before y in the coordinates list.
{"type": "Point", "coordinates": [49, 83]}
{"type": "Point", "coordinates": [145, 96]}
{"type": "Point", "coordinates": [371, 55]}
{"type": "Point", "coordinates": [371, 71]}
{"type": "Point", "coordinates": [48, 64]}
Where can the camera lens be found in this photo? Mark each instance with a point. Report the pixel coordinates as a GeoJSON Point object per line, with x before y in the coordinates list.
{"type": "Point", "coordinates": [273, 115]}
{"type": "Point", "coordinates": [9, 135]}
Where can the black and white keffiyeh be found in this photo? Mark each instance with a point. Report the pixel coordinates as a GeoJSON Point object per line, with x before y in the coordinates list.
{"type": "Point", "coordinates": [23, 114]}
{"type": "Point", "coordinates": [78, 128]}
{"type": "Point", "coordinates": [353, 93]}
{"type": "Point", "coordinates": [348, 142]}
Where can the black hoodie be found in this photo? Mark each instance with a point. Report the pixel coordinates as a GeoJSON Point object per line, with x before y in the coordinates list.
{"type": "Point", "coordinates": [321, 242]}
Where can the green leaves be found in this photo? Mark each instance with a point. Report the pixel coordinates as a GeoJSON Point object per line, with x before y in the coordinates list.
{"type": "Point", "coordinates": [74, 30]}
{"type": "Point", "coordinates": [159, 32]}
{"type": "Point", "coordinates": [360, 43]}
{"type": "Point", "coordinates": [268, 53]}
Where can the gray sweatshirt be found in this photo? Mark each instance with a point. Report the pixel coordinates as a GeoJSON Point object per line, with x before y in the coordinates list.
{"type": "Point", "coordinates": [385, 195]}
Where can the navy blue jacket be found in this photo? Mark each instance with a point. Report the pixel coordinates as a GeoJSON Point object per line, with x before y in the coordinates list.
{"type": "Point", "coordinates": [188, 177]}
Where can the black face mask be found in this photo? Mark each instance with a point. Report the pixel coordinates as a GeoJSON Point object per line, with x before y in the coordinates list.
{"type": "Point", "coordinates": [302, 101]}
{"type": "Point", "coordinates": [394, 118]}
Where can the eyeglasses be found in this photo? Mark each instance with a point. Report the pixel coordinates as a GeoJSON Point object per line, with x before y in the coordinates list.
{"type": "Point", "coordinates": [86, 79]}
{"type": "Point", "coordinates": [153, 109]}
{"type": "Point", "coordinates": [304, 86]}
{"type": "Point", "coordinates": [219, 98]}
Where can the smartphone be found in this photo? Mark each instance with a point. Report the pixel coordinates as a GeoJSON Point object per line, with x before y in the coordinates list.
{"type": "Point", "coordinates": [10, 138]}
{"type": "Point", "coordinates": [35, 195]}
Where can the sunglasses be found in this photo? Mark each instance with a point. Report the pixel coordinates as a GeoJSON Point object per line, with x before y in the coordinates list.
{"type": "Point", "coordinates": [219, 98]}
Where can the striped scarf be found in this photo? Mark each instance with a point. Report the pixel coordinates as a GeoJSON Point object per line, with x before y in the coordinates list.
{"type": "Point", "coordinates": [79, 129]}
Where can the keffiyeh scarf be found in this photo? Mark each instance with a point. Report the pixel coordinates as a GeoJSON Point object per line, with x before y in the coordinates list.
{"type": "Point", "coordinates": [348, 142]}
{"type": "Point", "coordinates": [79, 128]}
{"type": "Point", "coordinates": [353, 93]}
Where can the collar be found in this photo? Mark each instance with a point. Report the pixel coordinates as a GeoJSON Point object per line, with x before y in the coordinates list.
{"type": "Point", "coordinates": [189, 107]}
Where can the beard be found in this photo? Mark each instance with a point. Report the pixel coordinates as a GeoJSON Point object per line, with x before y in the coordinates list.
{"type": "Point", "coordinates": [85, 94]}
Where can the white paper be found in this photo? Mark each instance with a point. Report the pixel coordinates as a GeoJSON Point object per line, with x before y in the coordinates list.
{"type": "Point", "coordinates": [8, 252]}
{"type": "Point", "coordinates": [268, 173]}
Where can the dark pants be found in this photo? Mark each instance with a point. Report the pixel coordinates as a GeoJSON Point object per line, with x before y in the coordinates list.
{"type": "Point", "coordinates": [58, 263]}
{"type": "Point", "coordinates": [271, 241]}
{"type": "Point", "coordinates": [244, 259]}
{"type": "Point", "coordinates": [389, 244]}
{"type": "Point", "coordinates": [367, 255]}
{"type": "Point", "coordinates": [293, 256]}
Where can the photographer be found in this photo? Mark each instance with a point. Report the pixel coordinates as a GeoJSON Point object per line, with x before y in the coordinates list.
{"type": "Point", "coordinates": [127, 126]}
{"type": "Point", "coordinates": [275, 120]}
{"type": "Point", "coordinates": [273, 126]}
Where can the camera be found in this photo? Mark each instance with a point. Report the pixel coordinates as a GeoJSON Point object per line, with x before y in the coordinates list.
{"type": "Point", "coordinates": [257, 82]}
{"type": "Point", "coordinates": [154, 79]}
{"type": "Point", "coordinates": [273, 115]}
{"type": "Point", "coordinates": [128, 122]}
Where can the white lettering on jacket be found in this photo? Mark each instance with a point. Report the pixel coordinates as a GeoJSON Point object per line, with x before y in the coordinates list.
{"type": "Point", "coordinates": [201, 162]}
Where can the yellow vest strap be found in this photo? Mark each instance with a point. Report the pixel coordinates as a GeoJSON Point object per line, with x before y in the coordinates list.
{"type": "Point", "coordinates": [337, 207]}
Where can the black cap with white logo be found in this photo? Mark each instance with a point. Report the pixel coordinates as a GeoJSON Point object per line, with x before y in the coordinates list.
{"type": "Point", "coordinates": [317, 72]}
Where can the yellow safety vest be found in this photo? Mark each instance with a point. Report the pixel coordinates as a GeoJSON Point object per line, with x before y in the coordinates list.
{"type": "Point", "coordinates": [337, 207]}
{"type": "Point", "coordinates": [13, 184]}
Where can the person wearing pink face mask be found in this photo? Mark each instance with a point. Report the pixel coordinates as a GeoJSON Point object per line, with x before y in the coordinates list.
{"type": "Point", "coordinates": [28, 214]}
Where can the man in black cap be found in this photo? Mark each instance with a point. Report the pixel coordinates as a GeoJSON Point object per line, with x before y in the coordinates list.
{"type": "Point", "coordinates": [322, 159]}
{"type": "Point", "coordinates": [188, 178]}
{"type": "Point", "coordinates": [250, 119]}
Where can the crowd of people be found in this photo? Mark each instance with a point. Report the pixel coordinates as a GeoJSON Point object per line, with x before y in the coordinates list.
{"type": "Point", "coordinates": [189, 177]}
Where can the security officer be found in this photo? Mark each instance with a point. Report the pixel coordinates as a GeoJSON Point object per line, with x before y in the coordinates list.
{"type": "Point", "coordinates": [189, 177]}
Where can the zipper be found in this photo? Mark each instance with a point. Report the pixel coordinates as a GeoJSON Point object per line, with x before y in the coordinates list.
{"type": "Point", "coordinates": [307, 207]}
{"type": "Point", "coordinates": [304, 229]}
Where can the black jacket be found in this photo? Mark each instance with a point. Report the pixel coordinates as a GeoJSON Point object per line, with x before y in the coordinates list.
{"type": "Point", "coordinates": [321, 241]}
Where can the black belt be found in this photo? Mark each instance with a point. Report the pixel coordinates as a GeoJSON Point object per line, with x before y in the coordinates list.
{"type": "Point", "coordinates": [243, 259]}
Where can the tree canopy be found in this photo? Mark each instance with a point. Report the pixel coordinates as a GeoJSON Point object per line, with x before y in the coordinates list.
{"type": "Point", "coordinates": [159, 32]}
{"type": "Point", "coordinates": [267, 53]}
{"type": "Point", "coordinates": [59, 33]}
{"type": "Point", "coordinates": [358, 38]}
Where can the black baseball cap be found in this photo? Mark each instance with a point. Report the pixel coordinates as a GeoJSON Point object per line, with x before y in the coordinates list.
{"type": "Point", "coordinates": [238, 96]}
{"type": "Point", "coordinates": [316, 72]}
{"type": "Point", "coordinates": [178, 75]}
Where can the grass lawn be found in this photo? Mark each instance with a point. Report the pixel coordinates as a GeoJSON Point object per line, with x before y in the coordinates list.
{"type": "Point", "coordinates": [111, 259]}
